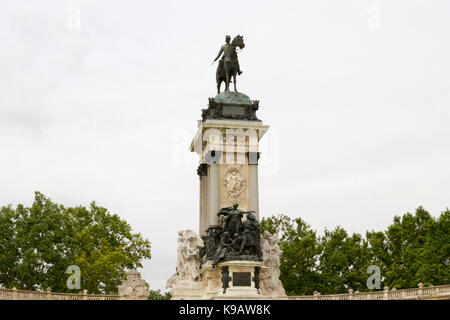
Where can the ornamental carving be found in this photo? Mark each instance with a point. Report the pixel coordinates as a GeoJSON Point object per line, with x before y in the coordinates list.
{"type": "Point", "coordinates": [228, 109]}
{"type": "Point", "coordinates": [234, 184]}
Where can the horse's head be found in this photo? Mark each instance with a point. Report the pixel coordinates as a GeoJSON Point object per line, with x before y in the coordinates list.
{"type": "Point", "coordinates": [238, 41]}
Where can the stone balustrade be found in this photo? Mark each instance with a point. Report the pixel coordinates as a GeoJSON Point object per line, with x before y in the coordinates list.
{"type": "Point", "coordinates": [420, 293]}
{"type": "Point", "coordinates": [14, 294]}
{"type": "Point", "coordinates": [132, 288]}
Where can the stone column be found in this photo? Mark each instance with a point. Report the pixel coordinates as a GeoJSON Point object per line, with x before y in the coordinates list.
{"type": "Point", "coordinates": [202, 171]}
{"type": "Point", "coordinates": [201, 208]}
{"type": "Point", "coordinates": [213, 193]}
{"type": "Point", "coordinates": [206, 201]}
{"type": "Point", "coordinates": [386, 293]}
{"type": "Point", "coordinates": [253, 182]}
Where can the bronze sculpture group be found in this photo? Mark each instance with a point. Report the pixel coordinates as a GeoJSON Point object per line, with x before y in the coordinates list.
{"type": "Point", "coordinates": [234, 239]}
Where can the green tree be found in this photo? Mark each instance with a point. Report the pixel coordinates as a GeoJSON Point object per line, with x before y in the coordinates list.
{"type": "Point", "coordinates": [343, 262]}
{"type": "Point", "coordinates": [40, 242]}
{"type": "Point", "coordinates": [8, 246]}
{"type": "Point", "coordinates": [300, 247]}
{"type": "Point", "coordinates": [157, 295]}
{"type": "Point", "coordinates": [414, 249]}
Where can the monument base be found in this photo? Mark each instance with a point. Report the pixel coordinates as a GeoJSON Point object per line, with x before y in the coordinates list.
{"type": "Point", "coordinates": [187, 290]}
{"type": "Point", "coordinates": [236, 277]}
{"type": "Point", "coordinates": [243, 280]}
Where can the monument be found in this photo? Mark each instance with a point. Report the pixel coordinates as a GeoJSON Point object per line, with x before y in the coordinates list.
{"type": "Point", "coordinates": [230, 261]}
{"type": "Point", "coordinates": [133, 287]}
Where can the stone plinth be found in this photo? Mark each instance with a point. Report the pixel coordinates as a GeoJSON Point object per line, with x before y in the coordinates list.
{"type": "Point", "coordinates": [242, 281]}
{"type": "Point", "coordinates": [186, 282]}
{"type": "Point", "coordinates": [229, 264]}
{"type": "Point", "coordinates": [187, 290]}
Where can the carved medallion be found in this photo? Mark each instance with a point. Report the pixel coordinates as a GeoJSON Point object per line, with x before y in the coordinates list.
{"type": "Point", "coordinates": [234, 184]}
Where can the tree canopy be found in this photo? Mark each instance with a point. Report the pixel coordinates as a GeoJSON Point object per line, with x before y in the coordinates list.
{"type": "Point", "coordinates": [39, 243]}
{"type": "Point", "coordinates": [414, 249]}
{"type": "Point", "coordinates": [158, 295]}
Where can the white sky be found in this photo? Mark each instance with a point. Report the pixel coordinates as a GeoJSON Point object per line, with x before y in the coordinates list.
{"type": "Point", "coordinates": [356, 94]}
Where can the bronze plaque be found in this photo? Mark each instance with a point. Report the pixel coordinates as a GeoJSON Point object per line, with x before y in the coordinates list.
{"type": "Point", "coordinates": [234, 111]}
{"type": "Point", "coordinates": [242, 279]}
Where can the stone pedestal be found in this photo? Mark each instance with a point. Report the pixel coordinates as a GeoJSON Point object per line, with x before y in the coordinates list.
{"type": "Point", "coordinates": [243, 281]}
{"type": "Point", "coordinates": [187, 290]}
{"type": "Point", "coordinates": [227, 142]}
{"type": "Point", "coordinates": [186, 283]}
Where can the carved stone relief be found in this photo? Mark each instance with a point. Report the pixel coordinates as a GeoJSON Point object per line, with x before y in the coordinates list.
{"type": "Point", "coordinates": [234, 186]}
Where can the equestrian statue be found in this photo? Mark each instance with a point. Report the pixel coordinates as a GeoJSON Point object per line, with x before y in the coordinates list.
{"type": "Point", "coordinates": [229, 64]}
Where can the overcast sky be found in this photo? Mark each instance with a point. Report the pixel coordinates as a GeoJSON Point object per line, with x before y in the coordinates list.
{"type": "Point", "coordinates": [99, 101]}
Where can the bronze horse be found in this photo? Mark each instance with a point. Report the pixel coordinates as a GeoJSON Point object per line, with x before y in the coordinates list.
{"type": "Point", "coordinates": [229, 66]}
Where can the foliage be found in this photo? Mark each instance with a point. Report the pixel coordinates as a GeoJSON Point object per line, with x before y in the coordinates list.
{"type": "Point", "coordinates": [37, 244]}
{"type": "Point", "coordinates": [343, 262]}
{"type": "Point", "coordinates": [414, 249]}
{"type": "Point", "coordinates": [157, 295]}
{"type": "Point", "coordinates": [300, 247]}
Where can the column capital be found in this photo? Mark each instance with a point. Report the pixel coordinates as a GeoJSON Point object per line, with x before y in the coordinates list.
{"type": "Point", "coordinates": [253, 157]}
{"type": "Point", "coordinates": [213, 157]}
{"type": "Point", "coordinates": [202, 170]}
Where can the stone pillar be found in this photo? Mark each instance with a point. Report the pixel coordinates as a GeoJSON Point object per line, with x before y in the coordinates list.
{"type": "Point", "coordinates": [386, 293]}
{"type": "Point", "coordinates": [213, 193]}
{"type": "Point", "coordinates": [206, 202]}
{"type": "Point", "coordinates": [420, 292]}
{"type": "Point", "coordinates": [202, 171]}
{"type": "Point", "coordinates": [253, 183]}
{"type": "Point", "coordinates": [203, 208]}
{"type": "Point", "coordinates": [350, 292]}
